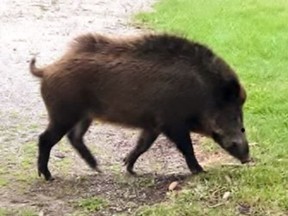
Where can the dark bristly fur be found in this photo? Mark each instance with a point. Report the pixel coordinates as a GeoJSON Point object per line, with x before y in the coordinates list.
{"type": "Point", "coordinates": [158, 83]}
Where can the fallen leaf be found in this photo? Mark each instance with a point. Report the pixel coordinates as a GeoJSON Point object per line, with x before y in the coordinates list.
{"type": "Point", "coordinates": [226, 195]}
{"type": "Point", "coordinates": [244, 209]}
{"type": "Point", "coordinates": [173, 186]}
{"type": "Point", "coordinates": [228, 179]}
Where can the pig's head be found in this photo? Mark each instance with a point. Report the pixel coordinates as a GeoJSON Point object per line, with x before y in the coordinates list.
{"type": "Point", "coordinates": [226, 121]}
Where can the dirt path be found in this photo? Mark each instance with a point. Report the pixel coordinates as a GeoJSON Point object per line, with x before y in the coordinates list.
{"type": "Point", "coordinates": [43, 28]}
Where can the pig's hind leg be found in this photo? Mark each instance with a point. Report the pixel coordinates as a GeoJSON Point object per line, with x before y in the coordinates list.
{"type": "Point", "coordinates": [75, 137]}
{"type": "Point", "coordinates": [47, 140]}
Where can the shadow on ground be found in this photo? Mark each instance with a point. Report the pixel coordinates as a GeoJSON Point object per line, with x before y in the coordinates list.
{"type": "Point", "coordinates": [122, 193]}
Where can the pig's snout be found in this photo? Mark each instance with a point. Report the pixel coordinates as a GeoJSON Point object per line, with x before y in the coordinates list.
{"type": "Point", "coordinates": [246, 160]}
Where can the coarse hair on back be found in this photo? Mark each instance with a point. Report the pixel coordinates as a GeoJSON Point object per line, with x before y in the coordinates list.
{"type": "Point", "coordinates": [166, 45]}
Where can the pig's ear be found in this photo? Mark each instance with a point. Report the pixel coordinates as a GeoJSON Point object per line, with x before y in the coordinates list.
{"type": "Point", "coordinates": [231, 90]}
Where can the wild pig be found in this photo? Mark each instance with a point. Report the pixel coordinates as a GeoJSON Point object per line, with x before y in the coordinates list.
{"type": "Point", "coordinates": [158, 83]}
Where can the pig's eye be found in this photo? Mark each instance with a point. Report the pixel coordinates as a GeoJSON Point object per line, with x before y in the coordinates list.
{"type": "Point", "coordinates": [243, 130]}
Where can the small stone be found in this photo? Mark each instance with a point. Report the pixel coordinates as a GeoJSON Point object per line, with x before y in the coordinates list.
{"type": "Point", "coordinates": [59, 155]}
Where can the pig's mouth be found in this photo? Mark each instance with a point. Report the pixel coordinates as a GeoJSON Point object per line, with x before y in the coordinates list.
{"type": "Point", "coordinates": [246, 160]}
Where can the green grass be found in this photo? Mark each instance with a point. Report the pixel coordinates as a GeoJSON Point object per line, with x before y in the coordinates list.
{"type": "Point", "coordinates": [92, 204]}
{"type": "Point", "coordinates": [19, 212]}
{"type": "Point", "coordinates": [252, 35]}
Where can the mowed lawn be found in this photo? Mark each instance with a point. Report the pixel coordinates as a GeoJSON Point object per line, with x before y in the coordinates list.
{"type": "Point", "coordinates": [252, 36]}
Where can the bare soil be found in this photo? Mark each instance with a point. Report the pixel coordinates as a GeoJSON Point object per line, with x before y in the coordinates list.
{"type": "Point", "coordinates": [43, 28]}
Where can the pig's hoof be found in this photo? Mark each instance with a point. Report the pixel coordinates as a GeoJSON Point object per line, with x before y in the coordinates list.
{"type": "Point", "coordinates": [127, 162]}
{"type": "Point", "coordinates": [46, 173]}
{"type": "Point", "coordinates": [47, 177]}
{"type": "Point", "coordinates": [198, 171]}
{"type": "Point", "coordinates": [98, 170]}
{"type": "Point", "coordinates": [50, 179]}
{"type": "Point", "coordinates": [131, 172]}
